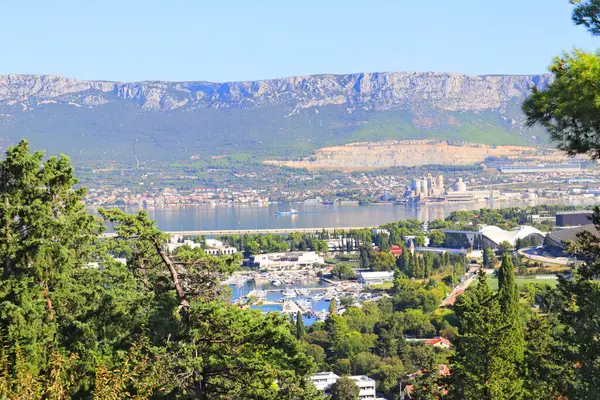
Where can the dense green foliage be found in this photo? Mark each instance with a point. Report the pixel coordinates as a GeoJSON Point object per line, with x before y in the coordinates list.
{"type": "Point", "coordinates": [160, 326]}
{"type": "Point", "coordinates": [260, 244]}
{"type": "Point", "coordinates": [344, 389]}
{"type": "Point", "coordinates": [504, 350]}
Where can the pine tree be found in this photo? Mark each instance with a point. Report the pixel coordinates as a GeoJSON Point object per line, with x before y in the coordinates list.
{"type": "Point", "coordinates": [548, 373]}
{"type": "Point", "coordinates": [427, 385]}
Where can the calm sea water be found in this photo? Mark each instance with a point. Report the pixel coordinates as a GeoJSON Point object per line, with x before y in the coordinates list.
{"type": "Point", "coordinates": [234, 217]}
{"type": "Point", "coordinates": [316, 305]}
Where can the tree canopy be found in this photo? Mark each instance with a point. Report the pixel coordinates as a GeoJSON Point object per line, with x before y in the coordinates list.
{"type": "Point", "coordinates": [76, 323]}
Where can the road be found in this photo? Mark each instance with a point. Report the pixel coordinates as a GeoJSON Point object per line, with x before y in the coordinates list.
{"type": "Point", "coordinates": [528, 252]}
{"type": "Point", "coordinates": [449, 300]}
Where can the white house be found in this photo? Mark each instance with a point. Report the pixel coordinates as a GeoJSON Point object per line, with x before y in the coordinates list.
{"type": "Point", "coordinates": [324, 380]}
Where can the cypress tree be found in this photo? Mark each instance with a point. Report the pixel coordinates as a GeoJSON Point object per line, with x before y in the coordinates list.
{"type": "Point", "coordinates": [486, 258]}
{"type": "Point", "coordinates": [511, 341]}
{"type": "Point", "coordinates": [300, 331]}
{"type": "Point", "coordinates": [508, 293]}
{"type": "Point", "coordinates": [333, 307]}
{"type": "Point", "coordinates": [486, 362]}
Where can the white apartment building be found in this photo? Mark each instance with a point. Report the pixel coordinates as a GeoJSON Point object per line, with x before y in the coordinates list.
{"type": "Point", "coordinates": [324, 380]}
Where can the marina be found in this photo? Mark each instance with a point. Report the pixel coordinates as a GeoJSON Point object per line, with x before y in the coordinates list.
{"type": "Point", "coordinates": [304, 293]}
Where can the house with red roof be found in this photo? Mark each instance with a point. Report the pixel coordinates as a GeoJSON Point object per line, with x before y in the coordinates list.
{"type": "Point", "coordinates": [439, 341]}
{"type": "Point", "coordinates": [396, 250]}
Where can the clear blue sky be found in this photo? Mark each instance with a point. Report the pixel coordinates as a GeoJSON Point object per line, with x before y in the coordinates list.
{"type": "Point", "coordinates": [225, 40]}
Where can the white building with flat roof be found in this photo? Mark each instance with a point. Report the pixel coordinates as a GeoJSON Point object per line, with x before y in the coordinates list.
{"type": "Point", "coordinates": [324, 380]}
{"type": "Point", "coordinates": [368, 386]}
{"type": "Point", "coordinates": [285, 261]}
{"type": "Point", "coordinates": [369, 278]}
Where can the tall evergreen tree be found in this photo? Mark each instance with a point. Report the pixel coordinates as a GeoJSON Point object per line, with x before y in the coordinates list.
{"type": "Point", "coordinates": [428, 385]}
{"type": "Point", "coordinates": [547, 371]}
{"type": "Point", "coordinates": [365, 256]}
{"type": "Point", "coordinates": [569, 109]}
{"type": "Point", "coordinates": [481, 366]}
{"type": "Point", "coordinates": [508, 293]}
{"type": "Point", "coordinates": [300, 331]}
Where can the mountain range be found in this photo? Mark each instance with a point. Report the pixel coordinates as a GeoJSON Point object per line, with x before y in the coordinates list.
{"type": "Point", "coordinates": [138, 123]}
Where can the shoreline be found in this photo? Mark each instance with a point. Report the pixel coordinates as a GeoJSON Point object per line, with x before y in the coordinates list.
{"type": "Point", "coordinates": [555, 200]}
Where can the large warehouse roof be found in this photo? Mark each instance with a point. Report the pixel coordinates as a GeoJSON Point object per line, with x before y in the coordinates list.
{"type": "Point", "coordinates": [568, 235]}
{"type": "Point", "coordinates": [499, 235]}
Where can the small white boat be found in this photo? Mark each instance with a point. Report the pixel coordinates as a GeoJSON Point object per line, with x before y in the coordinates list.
{"type": "Point", "coordinates": [276, 282]}
{"type": "Point", "coordinates": [289, 293]}
{"type": "Point", "coordinates": [303, 292]}
{"type": "Point", "coordinates": [304, 304]}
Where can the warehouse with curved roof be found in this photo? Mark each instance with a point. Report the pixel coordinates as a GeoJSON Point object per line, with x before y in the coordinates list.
{"type": "Point", "coordinates": [491, 236]}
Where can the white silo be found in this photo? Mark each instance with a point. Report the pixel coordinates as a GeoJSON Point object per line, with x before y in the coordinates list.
{"type": "Point", "coordinates": [417, 186]}
{"type": "Point", "coordinates": [460, 186]}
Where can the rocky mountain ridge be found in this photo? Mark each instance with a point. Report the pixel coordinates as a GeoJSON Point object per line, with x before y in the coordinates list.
{"type": "Point", "coordinates": [378, 91]}
{"type": "Point", "coordinates": [161, 123]}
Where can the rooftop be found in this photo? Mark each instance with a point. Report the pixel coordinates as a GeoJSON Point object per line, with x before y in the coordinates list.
{"type": "Point", "coordinates": [568, 235]}
{"type": "Point", "coordinates": [575, 212]}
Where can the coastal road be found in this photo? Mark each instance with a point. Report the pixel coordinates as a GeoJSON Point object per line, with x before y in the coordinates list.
{"type": "Point", "coordinates": [528, 252]}
{"type": "Point", "coordinates": [275, 231]}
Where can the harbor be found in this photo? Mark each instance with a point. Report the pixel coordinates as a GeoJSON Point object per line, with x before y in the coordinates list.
{"type": "Point", "coordinates": [293, 292]}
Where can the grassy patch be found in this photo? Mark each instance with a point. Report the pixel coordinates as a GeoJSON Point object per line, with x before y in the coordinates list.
{"type": "Point", "coordinates": [493, 282]}
{"type": "Point", "coordinates": [382, 286]}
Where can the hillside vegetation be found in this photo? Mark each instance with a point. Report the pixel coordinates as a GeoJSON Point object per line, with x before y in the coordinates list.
{"type": "Point", "coordinates": [144, 123]}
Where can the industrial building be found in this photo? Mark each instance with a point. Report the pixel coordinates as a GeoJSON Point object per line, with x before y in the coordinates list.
{"type": "Point", "coordinates": [460, 193]}
{"type": "Point", "coordinates": [430, 189]}
{"type": "Point", "coordinates": [429, 186]}
{"type": "Point", "coordinates": [285, 261]}
{"type": "Point", "coordinates": [490, 237]}
{"type": "Point", "coordinates": [561, 237]}
{"type": "Point", "coordinates": [573, 218]}
{"type": "Point", "coordinates": [537, 168]}
{"type": "Point", "coordinates": [368, 386]}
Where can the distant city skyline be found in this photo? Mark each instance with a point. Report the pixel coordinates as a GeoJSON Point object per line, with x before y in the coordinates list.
{"type": "Point", "coordinates": [239, 40]}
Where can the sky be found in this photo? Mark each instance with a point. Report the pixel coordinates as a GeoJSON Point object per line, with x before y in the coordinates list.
{"type": "Point", "coordinates": [224, 40]}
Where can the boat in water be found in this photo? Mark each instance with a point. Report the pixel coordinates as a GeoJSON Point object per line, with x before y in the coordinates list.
{"type": "Point", "coordinates": [303, 292]}
{"type": "Point", "coordinates": [289, 293]}
{"type": "Point", "coordinates": [304, 304]}
{"type": "Point", "coordinates": [276, 282]}
{"type": "Point", "coordinates": [284, 213]}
